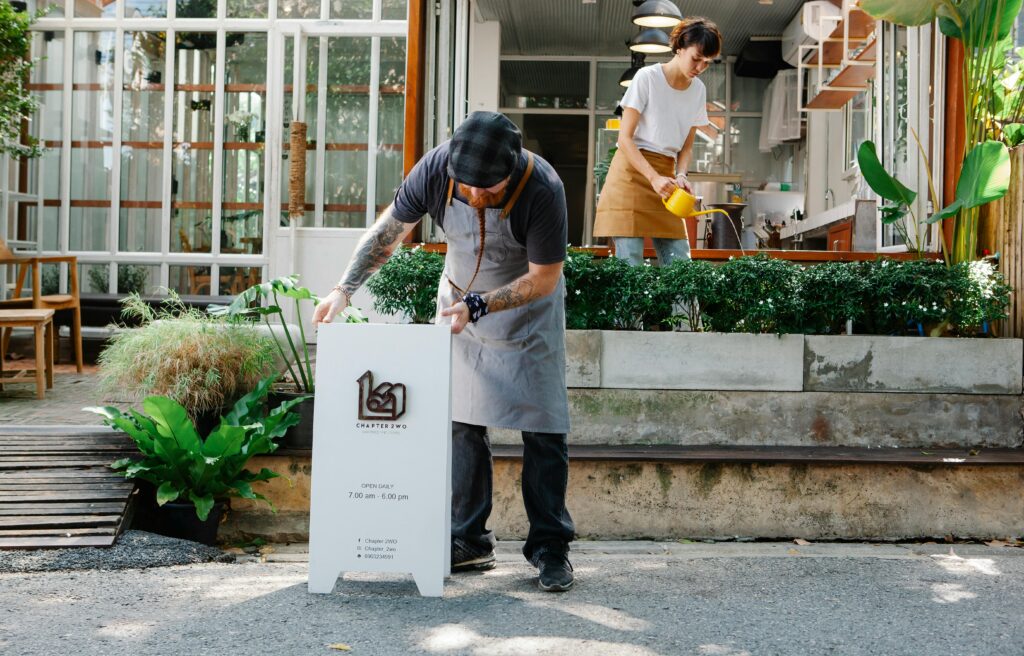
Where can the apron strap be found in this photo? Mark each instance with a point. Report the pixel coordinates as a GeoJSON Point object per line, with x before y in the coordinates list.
{"type": "Point", "coordinates": [522, 185]}
{"type": "Point", "coordinates": [451, 187]}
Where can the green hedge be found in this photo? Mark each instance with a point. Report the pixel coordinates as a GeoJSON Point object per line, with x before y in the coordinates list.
{"type": "Point", "coordinates": [748, 294]}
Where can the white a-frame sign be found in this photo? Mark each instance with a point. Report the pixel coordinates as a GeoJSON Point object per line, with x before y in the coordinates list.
{"type": "Point", "coordinates": [381, 488]}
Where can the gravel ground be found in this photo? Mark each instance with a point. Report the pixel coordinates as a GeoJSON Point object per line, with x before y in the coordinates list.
{"type": "Point", "coordinates": [133, 550]}
{"type": "Point", "coordinates": [643, 600]}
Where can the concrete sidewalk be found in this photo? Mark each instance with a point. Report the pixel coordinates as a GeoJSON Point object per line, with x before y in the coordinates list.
{"type": "Point", "coordinates": [631, 599]}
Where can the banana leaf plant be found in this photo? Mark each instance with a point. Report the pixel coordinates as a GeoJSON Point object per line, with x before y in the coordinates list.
{"type": "Point", "coordinates": [984, 27]}
{"type": "Point", "coordinates": [249, 305]}
{"type": "Point", "coordinates": [183, 465]}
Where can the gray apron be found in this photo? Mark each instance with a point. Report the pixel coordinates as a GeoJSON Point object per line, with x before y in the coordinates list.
{"type": "Point", "coordinates": [508, 370]}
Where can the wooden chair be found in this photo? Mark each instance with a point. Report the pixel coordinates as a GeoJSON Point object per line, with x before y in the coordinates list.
{"type": "Point", "coordinates": [39, 301]}
{"type": "Point", "coordinates": [196, 282]}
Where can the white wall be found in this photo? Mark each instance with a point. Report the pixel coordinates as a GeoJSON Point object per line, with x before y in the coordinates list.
{"type": "Point", "coordinates": [321, 255]}
{"type": "Point", "coordinates": [484, 65]}
{"type": "Point", "coordinates": [826, 162]}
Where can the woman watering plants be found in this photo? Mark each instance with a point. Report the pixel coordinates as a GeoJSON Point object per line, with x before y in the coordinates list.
{"type": "Point", "coordinates": [662, 110]}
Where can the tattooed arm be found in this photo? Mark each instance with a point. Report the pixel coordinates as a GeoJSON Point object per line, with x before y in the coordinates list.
{"type": "Point", "coordinates": [538, 282]}
{"type": "Point", "coordinates": [373, 250]}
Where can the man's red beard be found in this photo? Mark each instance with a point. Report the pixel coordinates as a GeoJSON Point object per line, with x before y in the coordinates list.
{"type": "Point", "coordinates": [481, 200]}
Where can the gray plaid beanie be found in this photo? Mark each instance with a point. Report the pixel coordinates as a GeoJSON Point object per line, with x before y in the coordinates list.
{"type": "Point", "coordinates": [484, 150]}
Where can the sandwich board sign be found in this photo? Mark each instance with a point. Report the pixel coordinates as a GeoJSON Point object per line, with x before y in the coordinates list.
{"type": "Point", "coordinates": [381, 481]}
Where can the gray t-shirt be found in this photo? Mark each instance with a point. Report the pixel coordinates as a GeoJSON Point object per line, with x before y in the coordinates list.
{"type": "Point", "coordinates": [538, 219]}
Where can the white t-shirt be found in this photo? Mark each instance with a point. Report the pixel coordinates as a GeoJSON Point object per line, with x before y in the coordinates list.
{"type": "Point", "coordinates": [666, 115]}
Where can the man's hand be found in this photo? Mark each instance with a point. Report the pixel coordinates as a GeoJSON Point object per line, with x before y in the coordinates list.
{"type": "Point", "coordinates": [684, 182]}
{"type": "Point", "coordinates": [459, 314]}
{"type": "Point", "coordinates": [329, 307]}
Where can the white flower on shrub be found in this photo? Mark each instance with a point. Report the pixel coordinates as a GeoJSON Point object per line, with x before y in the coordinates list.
{"type": "Point", "coordinates": [983, 274]}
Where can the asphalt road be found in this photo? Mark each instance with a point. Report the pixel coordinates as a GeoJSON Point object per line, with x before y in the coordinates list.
{"type": "Point", "coordinates": [631, 599]}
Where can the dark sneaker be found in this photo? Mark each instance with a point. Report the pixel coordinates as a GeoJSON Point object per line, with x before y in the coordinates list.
{"type": "Point", "coordinates": [467, 557]}
{"type": "Point", "coordinates": [555, 571]}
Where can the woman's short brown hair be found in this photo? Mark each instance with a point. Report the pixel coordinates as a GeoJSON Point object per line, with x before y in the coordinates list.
{"type": "Point", "coordinates": [697, 31]}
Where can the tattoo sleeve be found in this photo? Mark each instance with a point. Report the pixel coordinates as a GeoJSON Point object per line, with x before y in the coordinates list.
{"type": "Point", "coordinates": [372, 252]}
{"type": "Point", "coordinates": [518, 292]}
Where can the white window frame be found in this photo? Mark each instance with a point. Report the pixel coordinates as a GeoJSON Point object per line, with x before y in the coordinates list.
{"type": "Point", "coordinates": [275, 29]}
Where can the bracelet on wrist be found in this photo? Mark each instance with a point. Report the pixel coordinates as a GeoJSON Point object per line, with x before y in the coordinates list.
{"type": "Point", "coordinates": [338, 288]}
{"type": "Point", "coordinates": [477, 306]}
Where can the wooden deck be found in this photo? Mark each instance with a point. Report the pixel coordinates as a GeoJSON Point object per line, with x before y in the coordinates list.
{"type": "Point", "coordinates": [57, 489]}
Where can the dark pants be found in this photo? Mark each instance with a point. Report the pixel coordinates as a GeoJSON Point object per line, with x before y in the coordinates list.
{"type": "Point", "coordinates": [545, 477]}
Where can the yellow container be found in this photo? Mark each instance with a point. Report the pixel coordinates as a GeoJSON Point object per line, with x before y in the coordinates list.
{"type": "Point", "coordinates": [681, 204]}
{"type": "Point", "coordinates": [612, 124]}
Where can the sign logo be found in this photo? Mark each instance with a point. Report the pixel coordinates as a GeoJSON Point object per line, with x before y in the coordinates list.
{"type": "Point", "coordinates": [385, 401]}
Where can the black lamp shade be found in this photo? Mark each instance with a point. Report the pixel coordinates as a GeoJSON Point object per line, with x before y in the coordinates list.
{"type": "Point", "coordinates": [636, 62]}
{"type": "Point", "coordinates": [650, 41]}
{"type": "Point", "coordinates": [657, 13]}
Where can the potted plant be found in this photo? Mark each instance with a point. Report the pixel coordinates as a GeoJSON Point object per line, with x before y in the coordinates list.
{"type": "Point", "coordinates": [407, 284]}
{"type": "Point", "coordinates": [248, 307]}
{"type": "Point", "coordinates": [195, 476]}
{"type": "Point", "coordinates": [202, 363]}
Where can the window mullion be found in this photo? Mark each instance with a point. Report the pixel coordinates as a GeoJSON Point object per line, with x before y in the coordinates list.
{"type": "Point", "coordinates": [218, 157]}
{"type": "Point", "coordinates": [371, 150]}
{"type": "Point", "coordinates": [320, 155]}
{"type": "Point", "coordinates": [113, 220]}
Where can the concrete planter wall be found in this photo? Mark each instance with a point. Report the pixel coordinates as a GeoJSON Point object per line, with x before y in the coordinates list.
{"type": "Point", "coordinates": [792, 363]}
{"type": "Point", "coordinates": [632, 388]}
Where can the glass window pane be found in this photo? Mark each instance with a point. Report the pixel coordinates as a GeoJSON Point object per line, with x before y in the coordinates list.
{"type": "Point", "coordinates": [145, 9]}
{"type": "Point", "coordinates": [357, 9]}
{"type": "Point", "coordinates": [714, 80]}
{"type": "Point", "coordinates": [196, 8]}
{"type": "Point", "coordinates": [95, 9]}
{"type": "Point", "coordinates": [347, 124]}
{"type": "Point", "coordinates": [94, 278]}
{"type": "Point", "coordinates": [92, 126]}
{"type": "Point", "coordinates": [189, 280]}
{"type": "Point", "coordinates": [709, 147]}
{"type": "Point", "coordinates": [545, 84]}
{"type": "Point", "coordinates": [248, 8]}
{"type": "Point", "coordinates": [245, 94]}
{"type": "Point", "coordinates": [298, 9]}
{"type": "Point", "coordinates": [47, 83]}
{"type": "Point", "coordinates": [748, 160]}
{"type": "Point", "coordinates": [390, 119]}
{"type": "Point", "coordinates": [395, 10]}
{"type": "Point", "coordinates": [142, 130]}
{"type": "Point", "coordinates": [747, 94]}
{"type": "Point", "coordinates": [236, 279]}
{"type": "Point", "coordinates": [52, 8]}
{"type": "Point", "coordinates": [192, 157]}
{"type": "Point", "coordinates": [609, 91]}
{"type": "Point", "coordinates": [138, 278]}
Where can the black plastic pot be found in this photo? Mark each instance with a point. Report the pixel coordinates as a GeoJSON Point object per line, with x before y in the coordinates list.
{"type": "Point", "coordinates": [179, 520]}
{"type": "Point", "coordinates": [299, 436]}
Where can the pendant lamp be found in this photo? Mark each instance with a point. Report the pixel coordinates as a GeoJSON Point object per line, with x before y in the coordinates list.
{"type": "Point", "coordinates": [650, 40]}
{"type": "Point", "coordinates": [656, 13]}
{"type": "Point", "coordinates": [635, 64]}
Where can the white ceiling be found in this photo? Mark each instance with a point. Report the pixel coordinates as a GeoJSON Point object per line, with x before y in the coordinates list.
{"type": "Point", "coordinates": [572, 27]}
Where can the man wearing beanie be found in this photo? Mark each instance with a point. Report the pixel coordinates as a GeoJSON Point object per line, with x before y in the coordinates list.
{"type": "Point", "coordinates": [502, 209]}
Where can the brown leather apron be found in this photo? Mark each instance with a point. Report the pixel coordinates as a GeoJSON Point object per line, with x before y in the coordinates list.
{"type": "Point", "coordinates": [629, 206]}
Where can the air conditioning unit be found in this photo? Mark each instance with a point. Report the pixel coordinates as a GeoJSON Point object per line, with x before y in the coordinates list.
{"type": "Point", "coordinates": [813, 23]}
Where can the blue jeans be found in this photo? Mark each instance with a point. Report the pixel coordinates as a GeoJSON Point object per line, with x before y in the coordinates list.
{"type": "Point", "coordinates": [544, 481]}
{"type": "Point", "coordinates": [631, 249]}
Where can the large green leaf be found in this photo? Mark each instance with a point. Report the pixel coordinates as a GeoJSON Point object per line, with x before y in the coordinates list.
{"type": "Point", "coordinates": [879, 179]}
{"type": "Point", "coordinates": [173, 421]}
{"type": "Point", "coordinates": [166, 493]}
{"type": "Point", "coordinates": [947, 212]}
{"type": "Point", "coordinates": [1014, 133]}
{"type": "Point", "coordinates": [984, 21]}
{"type": "Point", "coordinates": [203, 503]}
{"type": "Point", "coordinates": [902, 12]}
{"type": "Point", "coordinates": [985, 175]}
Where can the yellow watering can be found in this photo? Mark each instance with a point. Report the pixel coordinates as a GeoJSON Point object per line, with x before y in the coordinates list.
{"type": "Point", "coordinates": [682, 203]}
